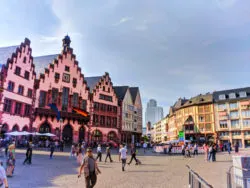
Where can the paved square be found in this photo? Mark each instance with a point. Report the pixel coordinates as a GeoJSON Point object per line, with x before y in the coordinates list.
{"type": "Point", "coordinates": [157, 170]}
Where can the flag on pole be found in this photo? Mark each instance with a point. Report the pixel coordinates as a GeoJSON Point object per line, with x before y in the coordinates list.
{"type": "Point", "coordinates": [81, 112]}
{"type": "Point", "coordinates": [54, 108]}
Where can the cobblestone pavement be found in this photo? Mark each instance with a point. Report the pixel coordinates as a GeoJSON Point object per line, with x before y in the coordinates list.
{"type": "Point", "coordinates": [157, 170]}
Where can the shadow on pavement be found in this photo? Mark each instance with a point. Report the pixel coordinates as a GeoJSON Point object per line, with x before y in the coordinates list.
{"type": "Point", "coordinates": [42, 172]}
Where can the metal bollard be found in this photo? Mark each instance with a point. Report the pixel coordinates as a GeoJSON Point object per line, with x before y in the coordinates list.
{"type": "Point", "coordinates": [229, 180]}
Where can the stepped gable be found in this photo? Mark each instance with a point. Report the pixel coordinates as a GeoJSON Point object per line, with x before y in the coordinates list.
{"type": "Point", "coordinates": [120, 91]}
{"type": "Point", "coordinates": [134, 91]}
{"type": "Point", "coordinates": [52, 61]}
{"type": "Point", "coordinates": [42, 62]}
{"type": "Point", "coordinates": [19, 50]}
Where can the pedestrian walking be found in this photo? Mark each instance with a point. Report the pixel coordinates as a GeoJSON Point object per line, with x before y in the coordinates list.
{"type": "Point", "coordinates": [3, 177]}
{"type": "Point", "coordinates": [133, 155]}
{"type": "Point", "coordinates": [90, 168]}
{"type": "Point", "coordinates": [28, 155]}
{"type": "Point", "coordinates": [210, 152]}
{"type": "Point", "coordinates": [195, 149]}
{"type": "Point", "coordinates": [205, 147]}
{"type": "Point", "coordinates": [99, 153]}
{"type": "Point", "coordinates": [145, 145]}
{"type": "Point", "coordinates": [108, 154]}
{"type": "Point", "coordinates": [229, 147]}
{"type": "Point", "coordinates": [214, 150]}
{"type": "Point", "coordinates": [52, 149]}
{"type": "Point", "coordinates": [123, 156]}
{"type": "Point", "coordinates": [72, 151]}
{"type": "Point", "coordinates": [236, 147]}
{"type": "Point", "coordinates": [10, 165]}
{"type": "Point", "coordinates": [79, 156]}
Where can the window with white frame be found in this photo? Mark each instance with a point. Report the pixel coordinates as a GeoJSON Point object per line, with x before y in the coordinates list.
{"type": "Point", "coordinates": [236, 133]}
{"type": "Point", "coordinates": [243, 94]}
{"type": "Point", "coordinates": [235, 123]}
{"type": "Point", "coordinates": [246, 122]}
{"type": "Point", "coordinates": [222, 97]}
{"type": "Point", "coordinates": [223, 124]}
{"type": "Point", "coordinates": [245, 113]}
{"type": "Point", "coordinates": [232, 96]}
{"type": "Point", "coordinates": [224, 134]}
{"type": "Point", "coordinates": [222, 106]}
{"type": "Point", "coordinates": [234, 114]}
{"type": "Point", "coordinates": [233, 105]}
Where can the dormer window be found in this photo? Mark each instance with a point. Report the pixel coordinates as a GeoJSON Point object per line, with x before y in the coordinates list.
{"type": "Point", "coordinates": [243, 94]}
{"type": "Point", "coordinates": [222, 97]}
{"type": "Point", "coordinates": [232, 96]}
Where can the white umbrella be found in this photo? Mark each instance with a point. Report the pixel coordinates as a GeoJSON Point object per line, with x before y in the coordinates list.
{"type": "Point", "coordinates": [48, 134]}
{"type": "Point", "coordinates": [25, 133]}
{"type": "Point", "coordinates": [15, 133]}
{"type": "Point", "coordinates": [37, 134]}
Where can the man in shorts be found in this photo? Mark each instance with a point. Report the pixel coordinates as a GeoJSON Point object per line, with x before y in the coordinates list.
{"type": "Point", "coordinates": [123, 156]}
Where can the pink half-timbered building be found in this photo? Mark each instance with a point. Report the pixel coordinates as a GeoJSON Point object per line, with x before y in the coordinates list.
{"type": "Point", "coordinates": [17, 82]}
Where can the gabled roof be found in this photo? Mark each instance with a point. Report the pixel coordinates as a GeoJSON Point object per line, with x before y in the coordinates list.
{"type": "Point", "coordinates": [199, 99]}
{"type": "Point", "coordinates": [178, 104]}
{"type": "Point", "coordinates": [92, 81]}
{"type": "Point", "coordinates": [134, 91]}
{"type": "Point", "coordinates": [6, 52]}
{"type": "Point", "coordinates": [121, 91]}
{"type": "Point", "coordinates": [43, 62]}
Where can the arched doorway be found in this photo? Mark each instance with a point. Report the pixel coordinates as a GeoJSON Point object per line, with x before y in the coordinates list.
{"type": "Point", "coordinates": [25, 128]}
{"type": "Point", "coordinates": [15, 128]}
{"type": "Point", "coordinates": [81, 134]}
{"type": "Point", "coordinates": [4, 130]}
{"type": "Point", "coordinates": [45, 128]}
{"type": "Point", "coordinates": [111, 136]}
{"type": "Point", "coordinates": [67, 134]}
{"type": "Point", "coordinates": [97, 136]}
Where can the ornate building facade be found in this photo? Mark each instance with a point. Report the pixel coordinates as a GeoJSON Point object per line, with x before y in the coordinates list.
{"type": "Point", "coordinates": [41, 94]}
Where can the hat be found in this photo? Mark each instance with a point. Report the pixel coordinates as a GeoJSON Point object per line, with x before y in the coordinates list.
{"type": "Point", "coordinates": [89, 149]}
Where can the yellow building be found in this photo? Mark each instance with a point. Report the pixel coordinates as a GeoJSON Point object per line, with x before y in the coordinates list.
{"type": "Point", "coordinates": [160, 130]}
{"type": "Point", "coordinates": [194, 116]}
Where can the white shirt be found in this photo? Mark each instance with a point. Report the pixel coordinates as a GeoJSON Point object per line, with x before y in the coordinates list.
{"type": "Point", "coordinates": [123, 153]}
{"type": "Point", "coordinates": [99, 149]}
{"type": "Point", "coordinates": [2, 174]}
{"type": "Point", "coordinates": [145, 145]}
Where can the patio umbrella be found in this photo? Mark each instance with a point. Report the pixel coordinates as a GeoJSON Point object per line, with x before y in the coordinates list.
{"type": "Point", "coordinates": [25, 133]}
{"type": "Point", "coordinates": [48, 134]}
{"type": "Point", "coordinates": [37, 134]}
{"type": "Point", "coordinates": [14, 133]}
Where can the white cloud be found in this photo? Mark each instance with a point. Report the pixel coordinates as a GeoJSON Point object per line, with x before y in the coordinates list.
{"type": "Point", "coordinates": [123, 20]}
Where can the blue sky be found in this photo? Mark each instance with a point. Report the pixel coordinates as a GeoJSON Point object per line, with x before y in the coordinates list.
{"type": "Point", "coordinates": [170, 49]}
